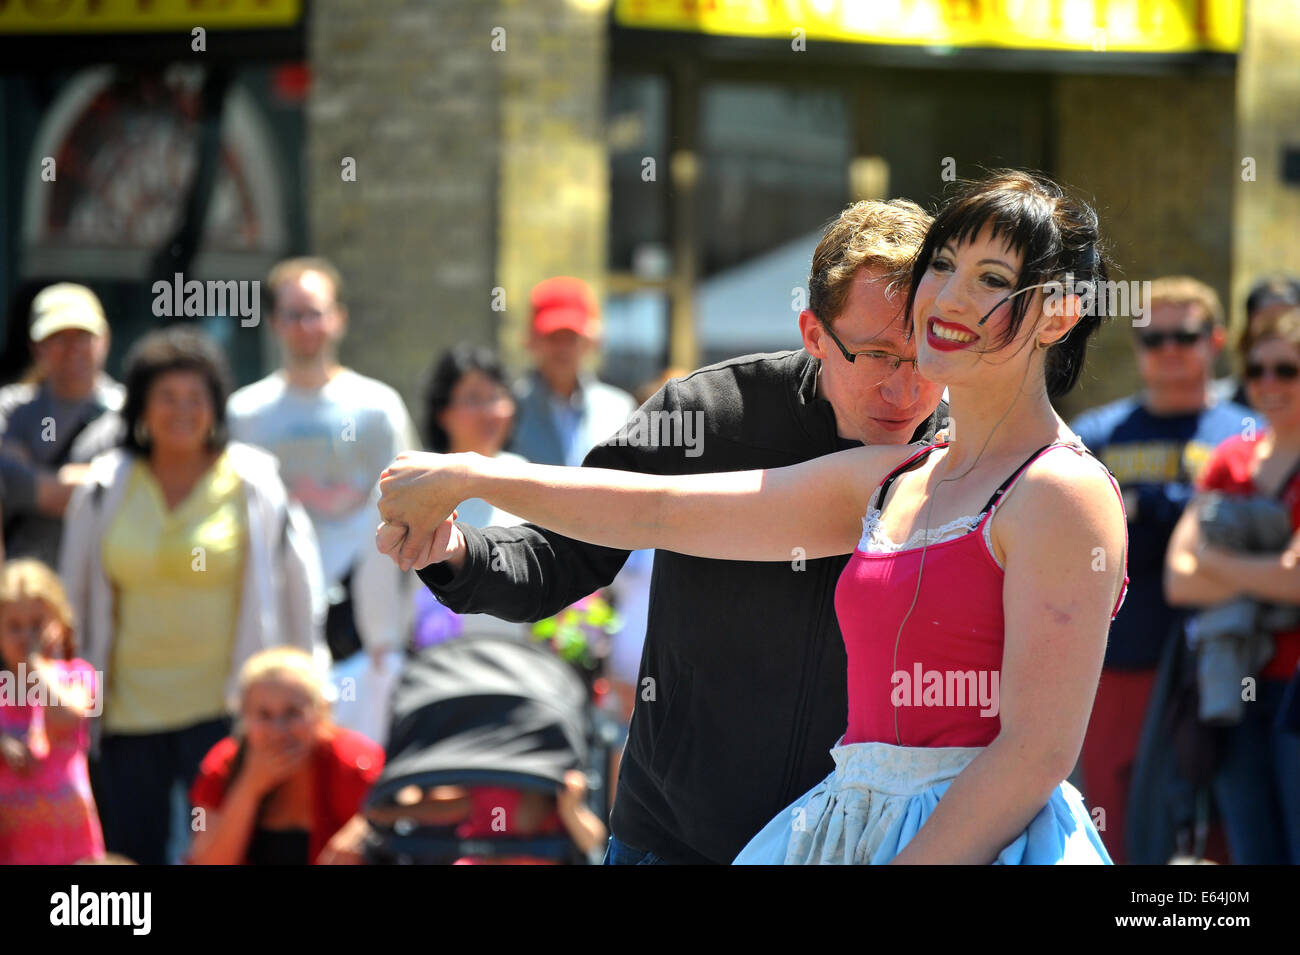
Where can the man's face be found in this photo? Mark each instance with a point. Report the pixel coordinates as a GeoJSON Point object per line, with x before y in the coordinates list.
{"type": "Point", "coordinates": [71, 360]}
{"type": "Point", "coordinates": [559, 353]}
{"type": "Point", "coordinates": [873, 403]}
{"type": "Point", "coordinates": [307, 319]}
{"type": "Point", "coordinates": [1174, 364]}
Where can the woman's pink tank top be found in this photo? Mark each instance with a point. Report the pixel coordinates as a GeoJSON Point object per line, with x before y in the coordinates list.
{"type": "Point", "coordinates": [944, 687]}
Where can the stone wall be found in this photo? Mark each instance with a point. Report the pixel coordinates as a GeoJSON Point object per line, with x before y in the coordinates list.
{"type": "Point", "coordinates": [410, 91]}
{"type": "Point", "coordinates": [552, 218]}
{"type": "Point", "coordinates": [1266, 235]}
{"type": "Point", "coordinates": [476, 130]}
{"type": "Point", "coordinates": [1157, 155]}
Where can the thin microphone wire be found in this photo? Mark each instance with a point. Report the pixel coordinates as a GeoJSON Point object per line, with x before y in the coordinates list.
{"type": "Point", "coordinates": [1008, 298]}
{"type": "Point", "coordinates": [925, 533]}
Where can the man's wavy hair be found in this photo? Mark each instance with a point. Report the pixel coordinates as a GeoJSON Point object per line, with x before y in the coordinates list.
{"type": "Point", "coordinates": [882, 236]}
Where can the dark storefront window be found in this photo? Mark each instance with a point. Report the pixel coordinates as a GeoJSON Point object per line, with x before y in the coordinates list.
{"type": "Point", "coordinates": [773, 165]}
{"type": "Point", "coordinates": [122, 144]}
{"type": "Point", "coordinates": [637, 134]}
{"type": "Point", "coordinates": [640, 256]}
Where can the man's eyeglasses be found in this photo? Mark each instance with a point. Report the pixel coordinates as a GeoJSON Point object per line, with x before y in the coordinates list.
{"type": "Point", "coordinates": [1282, 371]}
{"type": "Point", "coordinates": [1153, 340]}
{"type": "Point", "coordinates": [887, 362]}
{"type": "Point", "coordinates": [480, 403]}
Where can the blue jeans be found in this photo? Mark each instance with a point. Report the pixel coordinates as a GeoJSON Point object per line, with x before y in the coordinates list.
{"type": "Point", "coordinates": [1257, 786]}
{"type": "Point", "coordinates": [620, 853]}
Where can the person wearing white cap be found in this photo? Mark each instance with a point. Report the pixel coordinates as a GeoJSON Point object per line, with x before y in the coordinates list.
{"type": "Point", "coordinates": [40, 422]}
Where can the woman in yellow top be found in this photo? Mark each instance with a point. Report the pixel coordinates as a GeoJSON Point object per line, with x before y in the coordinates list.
{"type": "Point", "coordinates": [183, 557]}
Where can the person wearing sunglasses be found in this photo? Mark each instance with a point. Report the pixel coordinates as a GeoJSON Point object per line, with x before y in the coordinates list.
{"type": "Point", "coordinates": [1257, 783]}
{"type": "Point", "coordinates": [1267, 299]}
{"type": "Point", "coordinates": [1156, 443]}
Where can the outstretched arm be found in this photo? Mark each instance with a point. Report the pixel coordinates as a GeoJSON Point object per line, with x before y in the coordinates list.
{"type": "Point", "coordinates": [526, 572]}
{"type": "Point", "coordinates": [1063, 535]}
{"type": "Point", "coordinates": [734, 515]}
{"type": "Point", "coordinates": [521, 573]}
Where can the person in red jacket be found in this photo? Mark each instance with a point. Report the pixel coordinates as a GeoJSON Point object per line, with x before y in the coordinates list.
{"type": "Point", "coordinates": [287, 788]}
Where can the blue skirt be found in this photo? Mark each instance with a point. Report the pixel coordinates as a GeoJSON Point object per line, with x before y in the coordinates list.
{"type": "Point", "coordinates": [878, 797]}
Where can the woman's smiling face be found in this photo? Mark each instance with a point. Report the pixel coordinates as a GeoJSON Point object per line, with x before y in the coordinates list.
{"type": "Point", "coordinates": [961, 284]}
{"type": "Point", "coordinates": [1269, 385]}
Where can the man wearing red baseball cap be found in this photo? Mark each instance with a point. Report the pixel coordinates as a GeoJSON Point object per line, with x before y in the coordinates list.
{"type": "Point", "coordinates": [563, 410]}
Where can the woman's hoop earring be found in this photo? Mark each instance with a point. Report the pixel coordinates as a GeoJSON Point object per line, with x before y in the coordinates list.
{"type": "Point", "coordinates": [141, 434]}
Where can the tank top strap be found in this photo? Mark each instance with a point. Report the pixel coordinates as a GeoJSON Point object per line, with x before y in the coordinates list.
{"type": "Point", "coordinates": [1075, 445]}
{"type": "Point", "coordinates": [996, 497]}
{"type": "Point", "coordinates": [882, 489]}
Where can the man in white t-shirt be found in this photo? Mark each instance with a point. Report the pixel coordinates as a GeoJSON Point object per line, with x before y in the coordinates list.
{"type": "Point", "coordinates": [334, 431]}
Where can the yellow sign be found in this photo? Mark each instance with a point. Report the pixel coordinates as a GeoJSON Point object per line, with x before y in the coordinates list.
{"type": "Point", "coordinates": [141, 16]}
{"type": "Point", "coordinates": [1120, 26]}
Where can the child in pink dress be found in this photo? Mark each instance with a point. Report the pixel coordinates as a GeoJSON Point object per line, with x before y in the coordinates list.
{"type": "Point", "coordinates": [47, 812]}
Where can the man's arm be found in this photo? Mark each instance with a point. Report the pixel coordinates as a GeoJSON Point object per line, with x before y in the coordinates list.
{"type": "Point", "coordinates": [103, 434]}
{"type": "Point", "coordinates": [19, 477]}
{"type": "Point", "coordinates": [523, 573]}
{"type": "Point", "coordinates": [528, 573]}
{"type": "Point", "coordinates": [27, 487]}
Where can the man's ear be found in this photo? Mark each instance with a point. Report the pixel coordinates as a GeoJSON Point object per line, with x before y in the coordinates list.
{"type": "Point", "coordinates": [1218, 337]}
{"type": "Point", "coordinates": [343, 319]}
{"type": "Point", "coordinates": [277, 325]}
{"type": "Point", "coordinates": [812, 333]}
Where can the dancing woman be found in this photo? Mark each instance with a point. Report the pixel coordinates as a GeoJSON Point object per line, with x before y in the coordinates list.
{"type": "Point", "coordinates": [974, 643]}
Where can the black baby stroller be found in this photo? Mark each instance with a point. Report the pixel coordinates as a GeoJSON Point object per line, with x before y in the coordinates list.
{"type": "Point", "coordinates": [474, 715]}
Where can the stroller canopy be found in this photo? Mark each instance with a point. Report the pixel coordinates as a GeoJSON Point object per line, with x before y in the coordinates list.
{"type": "Point", "coordinates": [484, 710]}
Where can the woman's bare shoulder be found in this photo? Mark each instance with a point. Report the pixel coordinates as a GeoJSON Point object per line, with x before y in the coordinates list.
{"type": "Point", "coordinates": [1072, 486]}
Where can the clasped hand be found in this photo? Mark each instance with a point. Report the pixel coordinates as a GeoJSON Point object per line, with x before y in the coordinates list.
{"type": "Point", "coordinates": [418, 494]}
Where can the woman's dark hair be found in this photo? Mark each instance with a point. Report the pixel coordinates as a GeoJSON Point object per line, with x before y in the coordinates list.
{"type": "Point", "coordinates": [179, 348]}
{"type": "Point", "coordinates": [455, 363]}
{"type": "Point", "coordinates": [1056, 234]}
